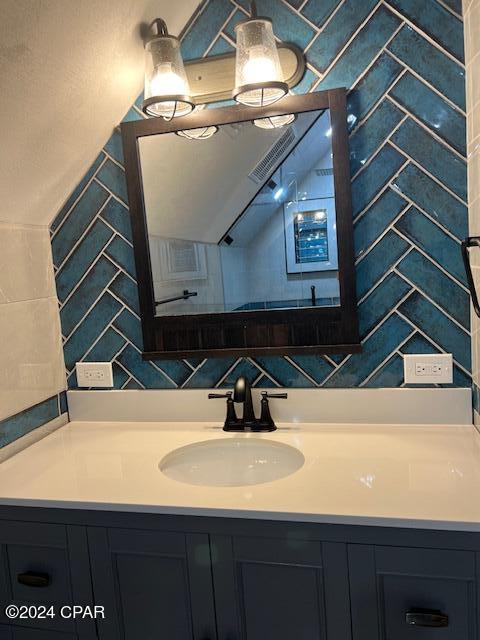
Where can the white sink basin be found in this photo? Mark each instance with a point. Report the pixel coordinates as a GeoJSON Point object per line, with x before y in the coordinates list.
{"type": "Point", "coordinates": [231, 462]}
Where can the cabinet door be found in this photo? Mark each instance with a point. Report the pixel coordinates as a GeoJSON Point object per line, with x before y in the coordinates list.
{"type": "Point", "coordinates": [153, 584]}
{"type": "Point", "coordinates": [281, 589]}
{"type": "Point", "coordinates": [44, 565]}
{"type": "Point", "coordinates": [399, 593]}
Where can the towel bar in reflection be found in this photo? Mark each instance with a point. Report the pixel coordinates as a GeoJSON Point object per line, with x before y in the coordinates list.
{"type": "Point", "coordinates": [473, 241]}
{"type": "Point", "coordinates": [186, 294]}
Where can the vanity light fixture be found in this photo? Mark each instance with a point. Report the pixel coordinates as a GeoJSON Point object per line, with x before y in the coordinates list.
{"type": "Point", "coordinates": [202, 133]}
{"type": "Point", "coordinates": [274, 122]}
{"type": "Point", "coordinates": [259, 77]}
{"type": "Point", "coordinates": [167, 92]}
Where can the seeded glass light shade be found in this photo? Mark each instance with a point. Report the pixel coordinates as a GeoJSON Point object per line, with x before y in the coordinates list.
{"type": "Point", "coordinates": [258, 74]}
{"type": "Point", "coordinates": [167, 92]}
{"type": "Point", "coordinates": [274, 122]}
{"type": "Point", "coordinates": [202, 133]}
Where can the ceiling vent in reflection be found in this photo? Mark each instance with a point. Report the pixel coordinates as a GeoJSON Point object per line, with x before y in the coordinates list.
{"type": "Point", "coordinates": [324, 172]}
{"type": "Point", "coordinates": [267, 164]}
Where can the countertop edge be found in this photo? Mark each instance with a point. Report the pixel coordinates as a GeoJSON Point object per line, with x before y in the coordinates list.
{"type": "Point", "coordinates": [314, 518]}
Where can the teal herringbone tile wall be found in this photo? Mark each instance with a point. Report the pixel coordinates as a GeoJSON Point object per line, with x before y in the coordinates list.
{"type": "Point", "coordinates": [402, 61]}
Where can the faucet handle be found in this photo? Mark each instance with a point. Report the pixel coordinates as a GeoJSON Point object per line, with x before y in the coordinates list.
{"type": "Point", "coordinates": [231, 420]}
{"type": "Point", "coordinates": [283, 396]}
{"type": "Point", "coordinates": [213, 396]}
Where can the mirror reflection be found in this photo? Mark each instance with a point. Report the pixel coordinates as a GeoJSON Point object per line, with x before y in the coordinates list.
{"type": "Point", "coordinates": [243, 220]}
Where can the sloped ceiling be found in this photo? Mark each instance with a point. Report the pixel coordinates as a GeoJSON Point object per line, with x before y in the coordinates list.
{"type": "Point", "coordinates": [69, 71]}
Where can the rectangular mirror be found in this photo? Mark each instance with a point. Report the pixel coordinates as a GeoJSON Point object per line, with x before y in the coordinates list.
{"type": "Point", "coordinates": [263, 238]}
{"type": "Point", "coordinates": [239, 231]}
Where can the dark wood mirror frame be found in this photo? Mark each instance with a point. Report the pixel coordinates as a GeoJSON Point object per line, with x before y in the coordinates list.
{"type": "Point", "coordinates": [248, 333]}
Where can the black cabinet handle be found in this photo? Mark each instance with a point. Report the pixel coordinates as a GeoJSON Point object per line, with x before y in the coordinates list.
{"type": "Point", "coordinates": [473, 241]}
{"type": "Point", "coordinates": [426, 618]}
{"type": "Point", "coordinates": [32, 579]}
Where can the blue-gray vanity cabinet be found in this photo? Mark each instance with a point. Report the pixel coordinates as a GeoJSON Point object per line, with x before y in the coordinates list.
{"type": "Point", "coordinates": [154, 584]}
{"type": "Point", "coordinates": [44, 565]}
{"type": "Point", "coordinates": [392, 587]}
{"type": "Point", "coordinates": [280, 588]}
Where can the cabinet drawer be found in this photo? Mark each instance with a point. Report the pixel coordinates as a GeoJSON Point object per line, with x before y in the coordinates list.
{"type": "Point", "coordinates": [400, 593]}
{"type": "Point", "coordinates": [44, 565]}
{"type": "Point", "coordinates": [38, 574]}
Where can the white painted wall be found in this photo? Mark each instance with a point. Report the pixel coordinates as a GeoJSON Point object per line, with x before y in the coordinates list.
{"type": "Point", "coordinates": [69, 71]}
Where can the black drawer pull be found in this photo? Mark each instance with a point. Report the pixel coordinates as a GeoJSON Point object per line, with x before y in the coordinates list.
{"type": "Point", "coordinates": [32, 579]}
{"type": "Point", "coordinates": [426, 618]}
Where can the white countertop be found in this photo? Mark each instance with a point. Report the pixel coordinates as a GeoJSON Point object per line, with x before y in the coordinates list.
{"type": "Point", "coordinates": [393, 475]}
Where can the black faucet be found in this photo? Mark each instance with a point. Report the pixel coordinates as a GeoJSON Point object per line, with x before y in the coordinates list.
{"type": "Point", "coordinates": [242, 394]}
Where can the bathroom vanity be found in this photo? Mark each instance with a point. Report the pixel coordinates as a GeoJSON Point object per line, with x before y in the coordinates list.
{"type": "Point", "coordinates": [376, 536]}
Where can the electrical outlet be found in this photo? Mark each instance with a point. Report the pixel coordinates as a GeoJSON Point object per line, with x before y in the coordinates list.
{"type": "Point", "coordinates": [431, 368]}
{"type": "Point", "coordinates": [94, 374]}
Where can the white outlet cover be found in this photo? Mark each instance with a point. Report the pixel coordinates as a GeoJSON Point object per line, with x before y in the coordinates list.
{"type": "Point", "coordinates": [431, 368]}
{"type": "Point", "coordinates": [94, 374]}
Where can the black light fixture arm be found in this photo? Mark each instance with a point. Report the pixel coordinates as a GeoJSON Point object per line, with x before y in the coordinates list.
{"type": "Point", "coordinates": [161, 25]}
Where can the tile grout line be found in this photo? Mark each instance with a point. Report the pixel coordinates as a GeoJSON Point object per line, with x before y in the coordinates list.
{"type": "Point", "coordinates": [160, 370]}
{"type": "Point", "coordinates": [176, 386]}
{"type": "Point", "coordinates": [377, 151]}
{"type": "Point", "coordinates": [302, 371]}
{"type": "Point", "coordinates": [193, 373]}
{"type": "Point", "coordinates": [219, 33]}
{"type": "Point", "coordinates": [422, 79]}
{"type": "Point", "coordinates": [434, 262]}
{"type": "Point", "coordinates": [385, 275]}
{"type": "Point", "coordinates": [110, 192]}
{"type": "Point", "coordinates": [263, 371]}
{"type": "Point", "coordinates": [76, 201]}
{"type": "Point", "coordinates": [130, 374]}
{"type": "Point", "coordinates": [122, 269]}
{"type": "Point", "coordinates": [348, 43]}
{"type": "Point", "coordinates": [385, 95]}
{"type": "Point", "coordinates": [435, 304]}
{"type": "Point", "coordinates": [228, 372]}
{"type": "Point", "coordinates": [97, 340]}
{"type": "Point", "coordinates": [390, 227]}
{"type": "Point", "coordinates": [369, 66]}
{"type": "Point", "coordinates": [91, 308]}
{"type": "Point", "coordinates": [450, 10]}
{"type": "Point", "coordinates": [423, 33]}
{"type": "Point", "coordinates": [110, 157]}
{"type": "Point", "coordinates": [429, 339]}
{"type": "Point", "coordinates": [87, 272]}
{"type": "Point", "coordinates": [430, 175]}
{"type": "Point", "coordinates": [432, 133]}
{"type": "Point", "coordinates": [426, 214]}
{"type": "Point", "coordinates": [381, 191]}
{"type": "Point", "coordinates": [116, 231]}
{"type": "Point", "coordinates": [381, 100]}
{"type": "Point", "coordinates": [83, 235]}
{"type": "Point", "coordinates": [384, 362]}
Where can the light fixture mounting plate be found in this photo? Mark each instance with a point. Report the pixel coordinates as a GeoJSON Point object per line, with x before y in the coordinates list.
{"type": "Point", "coordinates": [212, 79]}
